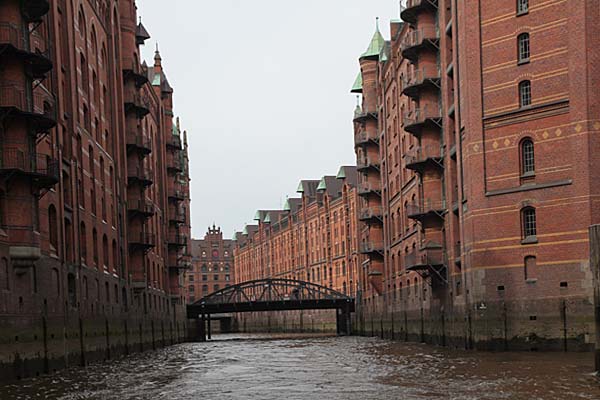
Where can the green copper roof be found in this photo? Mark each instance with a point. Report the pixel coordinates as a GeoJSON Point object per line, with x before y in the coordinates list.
{"type": "Point", "coordinates": [322, 185]}
{"type": "Point", "coordinates": [287, 206]}
{"type": "Point", "coordinates": [257, 216]}
{"type": "Point", "coordinates": [245, 231]}
{"type": "Point", "coordinates": [175, 130]}
{"type": "Point", "coordinates": [267, 219]}
{"type": "Point", "coordinates": [300, 188]}
{"type": "Point", "coordinates": [383, 57]}
{"type": "Point", "coordinates": [341, 173]}
{"type": "Point", "coordinates": [377, 43]}
{"type": "Point", "coordinates": [156, 80]}
{"type": "Point", "coordinates": [358, 84]}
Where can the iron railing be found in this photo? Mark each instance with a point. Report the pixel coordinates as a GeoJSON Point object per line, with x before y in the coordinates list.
{"type": "Point", "coordinates": [420, 76]}
{"type": "Point", "coordinates": [142, 206]}
{"type": "Point", "coordinates": [425, 258]}
{"type": "Point", "coordinates": [421, 154]}
{"type": "Point", "coordinates": [371, 247]}
{"type": "Point", "coordinates": [371, 213]}
{"type": "Point", "coordinates": [367, 188]}
{"type": "Point", "coordinates": [142, 238]}
{"type": "Point", "coordinates": [177, 239]}
{"type": "Point", "coordinates": [37, 164]}
{"type": "Point", "coordinates": [367, 162]}
{"type": "Point", "coordinates": [138, 140]}
{"type": "Point", "coordinates": [425, 206]}
{"type": "Point", "coordinates": [419, 36]}
{"type": "Point", "coordinates": [420, 115]}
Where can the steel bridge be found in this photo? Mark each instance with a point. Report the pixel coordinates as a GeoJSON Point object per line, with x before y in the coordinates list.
{"type": "Point", "coordinates": [272, 295]}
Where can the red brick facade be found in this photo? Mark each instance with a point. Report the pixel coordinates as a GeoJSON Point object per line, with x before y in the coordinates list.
{"type": "Point", "coordinates": [314, 238]}
{"type": "Point", "coordinates": [213, 265]}
{"type": "Point", "coordinates": [94, 188]}
{"type": "Point", "coordinates": [478, 120]}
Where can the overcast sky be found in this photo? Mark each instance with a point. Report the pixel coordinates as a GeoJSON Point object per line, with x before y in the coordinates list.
{"type": "Point", "coordinates": [262, 87]}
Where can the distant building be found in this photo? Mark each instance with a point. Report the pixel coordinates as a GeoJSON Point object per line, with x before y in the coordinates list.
{"type": "Point", "coordinates": [314, 237]}
{"type": "Point", "coordinates": [213, 265]}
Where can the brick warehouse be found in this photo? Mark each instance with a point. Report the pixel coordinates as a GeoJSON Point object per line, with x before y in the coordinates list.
{"type": "Point", "coordinates": [478, 121]}
{"type": "Point", "coordinates": [213, 265]}
{"type": "Point", "coordinates": [313, 238]}
{"type": "Point", "coordinates": [94, 189]}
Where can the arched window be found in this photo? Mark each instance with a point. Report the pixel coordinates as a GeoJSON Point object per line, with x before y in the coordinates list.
{"type": "Point", "coordinates": [83, 242]}
{"type": "Point", "coordinates": [204, 268]}
{"type": "Point", "coordinates": [95, 246]}
{"type": "Point", "coordinates": [115, 255]}
{"type": "Point", "coordinates": [523, 48]}
{"type": "Point", "coordinates": [344, 288]}
{"type": "Point", "coordinates": [527, 157]}
{"type": "Point", "coordinates": [105, 259]}
{"type": "Point", "coordinates": [528, 218]}
{"type": "Point", "coordinates": [53, 227]}
{"type": "Point", "coordinates": [525, 93]}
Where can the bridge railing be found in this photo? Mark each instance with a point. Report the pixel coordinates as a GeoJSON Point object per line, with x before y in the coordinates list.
{"type": "Point", "coordinates": [272, 290]}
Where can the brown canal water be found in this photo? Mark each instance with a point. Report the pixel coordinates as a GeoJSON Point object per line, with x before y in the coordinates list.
{"type": "Point", "coordinates": [317, 367]}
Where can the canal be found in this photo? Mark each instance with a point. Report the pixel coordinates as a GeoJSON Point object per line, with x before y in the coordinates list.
{"type": "Point", "coordinates": [318, 367]}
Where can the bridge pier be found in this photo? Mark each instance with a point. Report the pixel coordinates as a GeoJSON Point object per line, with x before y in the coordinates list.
{"type": "Point", "coordinates": [201, 328]}
{"type": "Point", "coordinates": [343, 321]}
{"type": "Point", "coordinates": [209, 337]}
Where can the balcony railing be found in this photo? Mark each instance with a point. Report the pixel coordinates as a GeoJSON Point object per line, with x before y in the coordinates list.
{"type": "Point", "coordinates": [417, 39]}
{"type": "Point", "coordinates": [415, 120]}
{"type": "Point", "coordinates": [176, 194]}
{"type": "Point", "coordinates": [41, 108]}
{"type": "Point", "coordinates": [24, 42]}
{"type": "Point", "coordinates": [43, 169]}
{"type": "Point", "coordinates": [136, 102]}
{"type": "Point", "coordinates": [177, 215]}
{"type": "Point", "coordinates": [409, 12]}
{"type": "Point", "coordinates": [178, 240]}
{"type": "Point", "coordinates": [142, 239]}
{"type": "Point", "coordinates": [363, 138]}
{"type": "Point", "coordinates": [424, 259]}
{"type": "Point", "coordinates": [137, 140]}
{"type": "Point", "coordinates": [362, 115]}
{"type": "Point", "coordinates": [426, 207]}
{"type": "Point", "coordinates": [133, 68]}
{"type": "Point", "coordinates": [174, 162]}
{"type": "Point", "coordinates": [419, 157]}
{"type": "Point", "coordinates": [365, 163]}
{"type": "Point", "coordinates": [365, 189]}
{"type": "Point", "coordinates": [144, 207]}
{"type": "Point", "coordinates": [371, 213]}
{"type": "Point", "coordinates": [141, 174]}
{"type": "Point", "coordinates": [371, 247]}
{"type": "Point", "coordinates": [420, 78]}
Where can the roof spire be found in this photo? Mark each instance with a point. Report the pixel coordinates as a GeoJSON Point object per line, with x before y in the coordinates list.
{"type": "Point", "coordinates": [185, 138]}
{"type": "Point", "coordinates": [177, 124]}
{"type": "Point", "coordinates": [377, 23]}
{"type": "Point", "coordinates": [157, 57]}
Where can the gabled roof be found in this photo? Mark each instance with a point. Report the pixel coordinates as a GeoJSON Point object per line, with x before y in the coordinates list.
{"type": "Point", "coordinates": [348, 174]}
{"type": "Point", "coordinates": [292, 205]}
{"type": "Point", "coordinates": [308, 187]}
{"type": "Point", "coordinates": [159, 79]}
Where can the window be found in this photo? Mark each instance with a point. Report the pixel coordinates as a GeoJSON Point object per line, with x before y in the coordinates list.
{"type": "Point", "coordinates": [522, 7]}
{"type": "Point", "coordinates": [527, 157]}
{"type": "Point", "coordinates": [53, 226]}
{"type": "Point", "coordinates": [216, 277]}
{"type": "Point", "coordinates": [216, 287]}
{"type": "Point", "coordinates": [4, 275]}
{"type": "Point", "coordinates": [191, 278]}
{"type": "Point", "coordinates": [191, 288]}
{"type": "Point", "coordinates": [529, 223]}
{"type": "Point", "coordinates": [524, 49]}
{"type": "Point", "coordinates": [525, 94]}
{"type": "Point", "coordinates": [530, 268]}
{"type": "Point", "coordinates": [204, 277]}
{"type": "Point", "coordinates": [204, 288]}
{"type": "Point", "coordinates": [203, 268]}
{"type": "Point", "coordinates": [83, 242]}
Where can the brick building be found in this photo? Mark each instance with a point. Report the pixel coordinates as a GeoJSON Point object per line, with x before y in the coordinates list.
{"type": "Point", "coordinates": [477, 124]}
{"type": "Point", "coordinates": [314, 237]}
{"type": "Point", "coordinates": [213, 265]}
{"type": "Point", "coordinates": [94, 188]}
